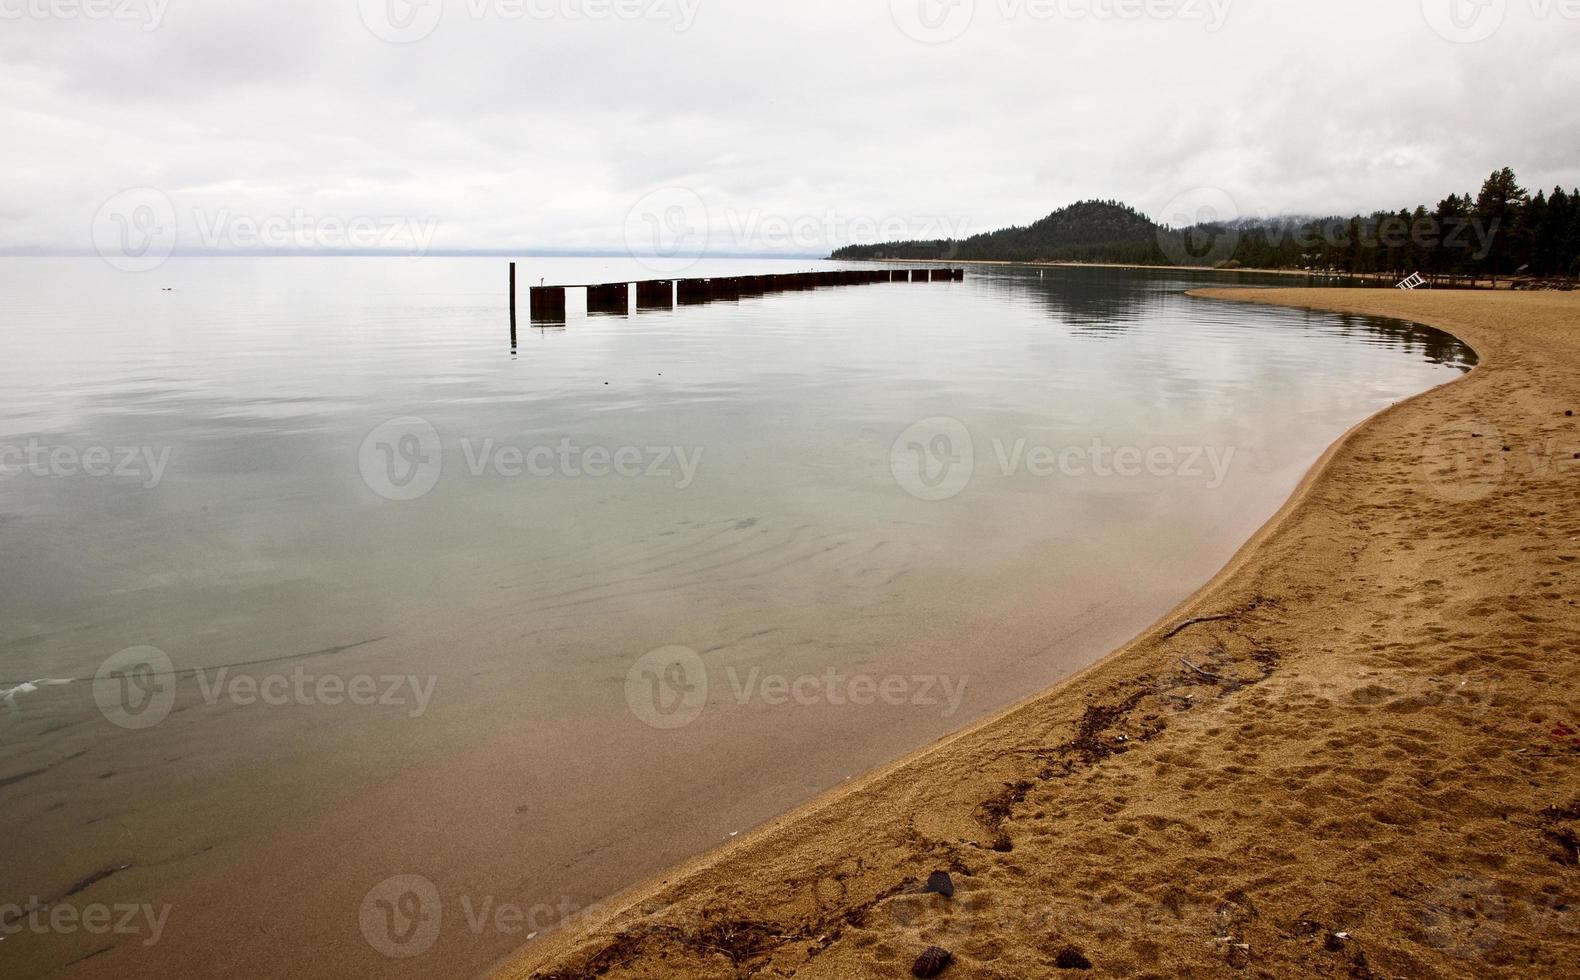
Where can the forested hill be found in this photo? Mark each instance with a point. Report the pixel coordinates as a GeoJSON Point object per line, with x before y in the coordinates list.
{"type": "Point", "coordinates": [1090, 231]}
{"type": "Point", "coordinates": [1504, 230]}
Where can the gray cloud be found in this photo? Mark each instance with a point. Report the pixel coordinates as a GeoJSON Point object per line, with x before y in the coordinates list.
{"type": "Point", "coordinates": [520, 124]}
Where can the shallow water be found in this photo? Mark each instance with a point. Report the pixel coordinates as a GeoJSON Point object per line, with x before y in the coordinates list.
{"type": "Point", "coordinates": [531, 623]}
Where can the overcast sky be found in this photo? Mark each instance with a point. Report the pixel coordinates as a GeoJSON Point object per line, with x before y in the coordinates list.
{"type": "Point", "coordinates": [544, 124]}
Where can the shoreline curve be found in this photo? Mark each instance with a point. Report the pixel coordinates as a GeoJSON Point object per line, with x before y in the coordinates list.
{"type": "Point", "coordinates": [803, 888]}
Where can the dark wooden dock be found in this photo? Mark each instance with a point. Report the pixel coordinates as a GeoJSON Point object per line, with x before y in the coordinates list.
{"type": "Point", "coordinates": [547, 303]}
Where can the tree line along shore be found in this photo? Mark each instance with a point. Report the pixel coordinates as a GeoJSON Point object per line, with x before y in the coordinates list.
{"type": "Point", "coordinates": [1504, 235]}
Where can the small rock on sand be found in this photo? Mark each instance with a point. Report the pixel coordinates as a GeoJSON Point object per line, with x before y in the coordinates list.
{"type": "Point", "coordinates": [933, 961]}
{"type": "Point", "coordinates": [940, 883]}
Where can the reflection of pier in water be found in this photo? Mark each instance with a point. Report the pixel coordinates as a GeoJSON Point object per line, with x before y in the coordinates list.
{"type": "Point", "coordinates": [547, 303]}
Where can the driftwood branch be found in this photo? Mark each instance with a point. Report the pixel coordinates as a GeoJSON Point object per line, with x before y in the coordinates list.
{"type": "Point", "coordinates": [1203, 673]}
{"type": "Point", "coordinates": [1192, 622]}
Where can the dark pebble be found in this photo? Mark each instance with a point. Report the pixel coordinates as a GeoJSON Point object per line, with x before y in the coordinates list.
{"type": "Point", "coordinates": [933, 961]}
{"type": "Point", "coordinates": [939, 883]}
{"type": "Point", "coordinates": [1070, 958]}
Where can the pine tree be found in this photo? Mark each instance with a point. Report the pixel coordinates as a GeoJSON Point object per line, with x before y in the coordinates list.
{"type": "Point", "coordinates": [1499, 208]}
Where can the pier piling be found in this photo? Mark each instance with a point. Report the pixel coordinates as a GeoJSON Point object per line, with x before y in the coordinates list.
{"type": "Point", "coordinates": [546, 302]}
{"type": "Point", "coordinates": [690, 291]}
{"type": "Point", "coordinates": [614, 297]}
{"type": "Point", "coordinates": [655, 294]}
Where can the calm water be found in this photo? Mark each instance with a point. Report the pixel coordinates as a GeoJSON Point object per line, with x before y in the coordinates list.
{"type": "Point", "coordinates": [342, 587]}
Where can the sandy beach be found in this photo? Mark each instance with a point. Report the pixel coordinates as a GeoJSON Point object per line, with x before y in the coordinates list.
{"type": "Point", "coordinates": [1355, 752]}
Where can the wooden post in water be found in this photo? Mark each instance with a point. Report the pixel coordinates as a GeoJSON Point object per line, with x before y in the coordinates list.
{"type": "Point", "coordinates": [655, 294]}
{"type": "Point", "coordinates": [692, 291]}
{"type": "Point", "coordinates": [614, 297]}
{"type": "Point", "coordinates": [512, 305]}
{"type": "Point", "coordinates": [546, 302]}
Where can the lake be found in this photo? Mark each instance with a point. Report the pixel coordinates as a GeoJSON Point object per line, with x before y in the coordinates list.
{"type": "Point", "coordinates": [342, 637]}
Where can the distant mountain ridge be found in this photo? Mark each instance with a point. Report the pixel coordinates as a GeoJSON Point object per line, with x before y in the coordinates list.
{"type": "Point", "coordinates": [1087, 231]}
{"type": "Point", "coordinates": [1504, 230]}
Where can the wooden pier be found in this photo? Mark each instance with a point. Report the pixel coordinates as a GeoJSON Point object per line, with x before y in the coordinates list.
{"type": "Point", "coordinates": [547, 303]}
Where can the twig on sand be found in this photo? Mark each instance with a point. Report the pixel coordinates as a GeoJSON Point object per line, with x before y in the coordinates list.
{"type": "Point", "coordinates": [1192, 622]}
{"type": "Point", "coordinates": [1202, 672]}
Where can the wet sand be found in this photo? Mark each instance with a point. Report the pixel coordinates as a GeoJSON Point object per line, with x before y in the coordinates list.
{"type": "Point", "coordinates": [1355, 752]}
